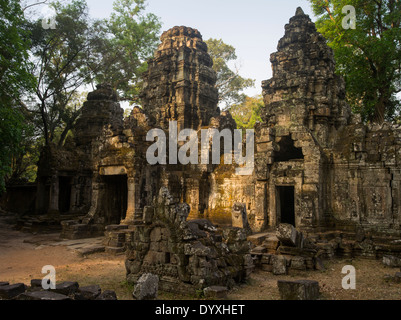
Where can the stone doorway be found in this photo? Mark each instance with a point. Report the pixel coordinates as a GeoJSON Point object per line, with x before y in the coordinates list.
{"type": "Point", "coordinates": [64, 200]}
{"type": "Point", "coordinates": [286, 204]}
{"type": "Point", "coordinates": [115, 202]}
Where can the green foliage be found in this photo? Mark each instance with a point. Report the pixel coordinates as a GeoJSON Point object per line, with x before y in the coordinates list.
{"type": "Point", "coordinates": [248, 113]}
{"type": "Point", "coordinates": [11, 129]}
{"type": "Point", "coordinates": [368, 57]}
{"type": "Point", "coordinates": [14, 44]}
{"type": "Point", "coordinates": [130, 39]}
{"type": "Point", "coordinates": [14, 79]}
{"type": "Point", "coordinates": [229, 83]}
{"type": "Point", "coordinates": [79, 52]}
{"type": "Point", "coordinates": [62, 60]}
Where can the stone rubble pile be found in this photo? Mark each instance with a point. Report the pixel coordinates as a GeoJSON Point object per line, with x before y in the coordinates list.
{"type": "Point", "coordinates": [288, 249]}
{"type": "Point", "coordinates": [64, 291]}
{"type": "Point", "coordinates": [187, 256]}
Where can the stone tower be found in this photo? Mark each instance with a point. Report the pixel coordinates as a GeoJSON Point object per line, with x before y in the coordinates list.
{"type": "Point", "coordinates": [304, 109]}
{"type": "Point", "coordinates": [304, 89]}
{"type": "Point", "coordinates": [101, 109]}
{"type": "Point", "coordinates": [179, 84]}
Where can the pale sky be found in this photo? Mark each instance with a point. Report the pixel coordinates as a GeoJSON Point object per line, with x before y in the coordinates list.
{"type": "Point", "coordinates": [253, 27]}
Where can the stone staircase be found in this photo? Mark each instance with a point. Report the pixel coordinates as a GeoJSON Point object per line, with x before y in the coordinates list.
{"type": "Point", "coordinates": [116, 238]}
{"type": "Point", "coordinates": [43, 224]}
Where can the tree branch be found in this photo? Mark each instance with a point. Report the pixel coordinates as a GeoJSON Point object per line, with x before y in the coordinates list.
{"type": "Point", "coordinates": [34, 4]}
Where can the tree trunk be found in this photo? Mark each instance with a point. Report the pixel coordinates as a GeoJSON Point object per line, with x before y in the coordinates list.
{"type": "Point", "coordinates": [382, 105]}
{"type": "Point", "coordinates": [380, 111]}
{"type": "Point", "coordinates": [44, 120]}
{"type": "Point", "coordinates": [64, 135]}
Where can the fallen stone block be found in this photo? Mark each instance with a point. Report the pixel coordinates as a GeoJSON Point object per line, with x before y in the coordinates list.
{"type": "Point", "coordinates": [67, 288]}
{"type": "Point", "coordinates": [298, 263]}
{"type": "Point", "coordinates": [36, 283]}
{"type": "Point", "coordinates": [259, 250]}
{"type": "Point", "coordinates": [298, 290]}
{"type": "Point", "coordinates": [88, 293]}
{"type": "Point", "coordinates": [257, 239]}
{"type": "Point", "coordinates": [279, 265]}
{"type": "Point", "coordinates": [107, 295]}
{"type": "Point", "coordinates": [215, 292]}
{"type": "Point", "coordinates": [287, 234]}
{"type": "Point", "coordinates": [147, 287]}
{"type": "Point", "coordinates": [43, 295]}
{"type": "Point", "coordinates": [392, 261]}
{"type": "Point", "coordinates": [11, 291]}
{"type": "Point", "coordinates": [271, 243]}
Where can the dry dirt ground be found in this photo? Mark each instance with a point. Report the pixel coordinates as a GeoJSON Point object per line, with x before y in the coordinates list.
{"type": "Point", "coordinates": [22, 256]}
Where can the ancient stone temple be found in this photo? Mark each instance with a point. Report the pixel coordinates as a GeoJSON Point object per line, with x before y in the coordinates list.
{"type": "Point", "coordinates": [103, 174]}
{"type": "Point", "coordinates": [317, 166]}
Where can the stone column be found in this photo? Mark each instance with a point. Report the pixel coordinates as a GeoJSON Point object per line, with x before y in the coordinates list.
{"type": "Point", "coordinates": [54, 194]}
{"type": "Point", "coordinates": [261, 206]}
{"type": "Point", "coordinates": [134, 212]}
{"type": "Point", "coordinates": [97, 192]}
{"type": "Point", "coordinates": [130, 216]}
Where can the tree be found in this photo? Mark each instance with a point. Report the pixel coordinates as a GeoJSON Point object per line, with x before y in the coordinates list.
{"type": "Point", "coordinates": [81, 52]}
{"type": "Point", "coordinates": [229, 83]}
{"type": "Point", "coordinates": [248, 113]}
{"type": "Point", "coordinates": [369, 56]}
{"type": "Point", "coordinates": [130, 39]}
{"type": "Point", "coordinates": [60, 59]}
{"type": "Point", "coordinates": [14, 79]}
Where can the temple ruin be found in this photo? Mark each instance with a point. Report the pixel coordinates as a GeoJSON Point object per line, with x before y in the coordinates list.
{"type": "Point", "coordinates": [317, 166]}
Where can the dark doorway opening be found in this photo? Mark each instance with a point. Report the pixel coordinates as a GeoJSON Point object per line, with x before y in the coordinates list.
{"type": "Point", "coordinates": [288, 151]}
{"type": "Point", "coordinates": [116, 198]}
{"type": "Point", "coordinates": [286, 205]}
{"type": "Point", "coordinates": [64, 200]}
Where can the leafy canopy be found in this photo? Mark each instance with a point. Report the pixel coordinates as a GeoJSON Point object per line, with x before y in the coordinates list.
{"type": "Point", "coordinates": [229, 83]}
{"type": "Point", "coordinates": [130, 38]}
{"type": "Point", "coordinates": [369, 56]}
{"type": "Point", "coordinates": [247, 113]}
{"type": "Point", "coordinates": [14, 79]}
